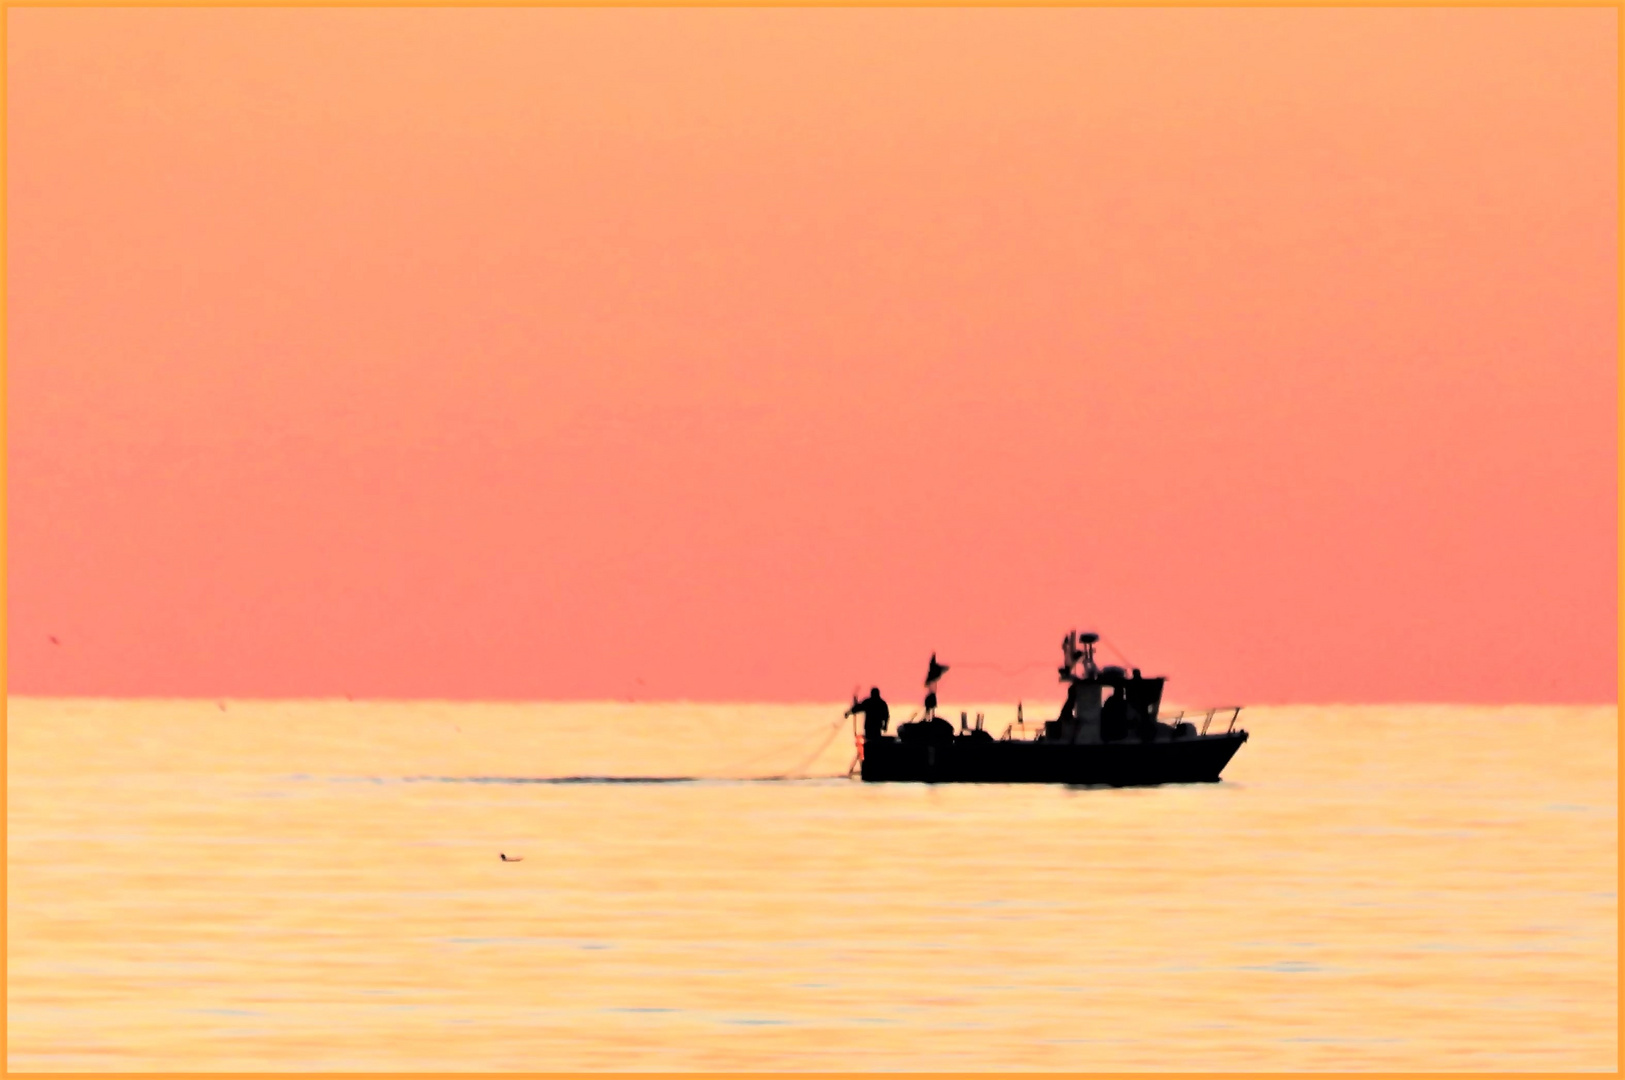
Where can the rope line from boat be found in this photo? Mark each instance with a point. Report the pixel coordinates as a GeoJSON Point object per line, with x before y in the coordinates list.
{"type": "Point", "coordinates": [1007, 672]}
{"type": "Point", "coordinates": [781, 750]}
{"type": "Point", "coordinates": [829, 737]}
{"type": "Point", "coordinates": [1119, 653]}
{"type": "Point", "coordinates": [988, 665]}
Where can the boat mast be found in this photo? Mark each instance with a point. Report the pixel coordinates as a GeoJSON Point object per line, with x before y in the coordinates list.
{"type": "Point", "coordinates": [1074, 655]}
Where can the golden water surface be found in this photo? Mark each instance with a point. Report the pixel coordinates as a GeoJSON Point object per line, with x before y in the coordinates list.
{"type": "Point", "coordinates": [316, 885]}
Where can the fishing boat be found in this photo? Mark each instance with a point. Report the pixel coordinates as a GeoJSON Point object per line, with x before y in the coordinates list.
{"type": "Point", "coordinates": [1108, 732]}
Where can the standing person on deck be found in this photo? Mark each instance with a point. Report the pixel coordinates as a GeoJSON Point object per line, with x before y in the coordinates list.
{"type": "Point", "coordinates": [875, 714]}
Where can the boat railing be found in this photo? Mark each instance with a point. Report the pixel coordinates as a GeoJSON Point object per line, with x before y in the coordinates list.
{"type": "Point", "coordinates": [1024, 732]}
{"type": "Point", "coordinates": [1218, 710]}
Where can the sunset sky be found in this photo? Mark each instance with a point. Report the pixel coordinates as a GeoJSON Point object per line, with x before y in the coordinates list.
{"type": "Point", "coordinates": [755, 354]}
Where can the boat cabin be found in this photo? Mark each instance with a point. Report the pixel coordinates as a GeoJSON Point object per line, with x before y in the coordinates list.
{"type": "Point", "coordinates": [1103, 704]}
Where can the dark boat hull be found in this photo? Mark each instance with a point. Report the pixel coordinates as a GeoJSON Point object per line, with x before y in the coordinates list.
{"type": "Point", "coordinates": [1196, 759]}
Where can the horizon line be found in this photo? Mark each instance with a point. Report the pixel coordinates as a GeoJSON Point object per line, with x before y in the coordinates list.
{"type": "Point", "coordinates": [742, 702]}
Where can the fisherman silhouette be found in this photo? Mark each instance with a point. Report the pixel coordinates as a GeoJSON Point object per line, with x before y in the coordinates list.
{"type": "Point", "coordinates": [875, 713]}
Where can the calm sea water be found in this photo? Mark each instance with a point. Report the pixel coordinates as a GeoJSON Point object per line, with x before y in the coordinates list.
{"type": "Point", "coordinates": [316, 885]}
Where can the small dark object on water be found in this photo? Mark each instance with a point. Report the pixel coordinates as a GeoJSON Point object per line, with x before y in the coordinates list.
{"type": "Point", "coordinates": [516, 858]}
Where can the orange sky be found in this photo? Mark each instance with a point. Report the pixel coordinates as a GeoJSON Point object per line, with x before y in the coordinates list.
{"type": "Point", "coordinates": [754, 354]}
